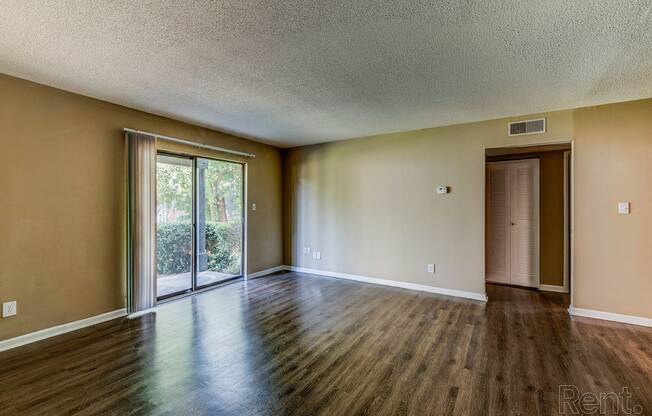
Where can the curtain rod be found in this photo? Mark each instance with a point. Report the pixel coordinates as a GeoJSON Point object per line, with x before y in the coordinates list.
{"type": "Point", "coordinates": [191, 143]}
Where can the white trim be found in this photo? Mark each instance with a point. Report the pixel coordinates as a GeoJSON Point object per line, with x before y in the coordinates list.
{"type": "Point", "coordinates": [394, 283]}
{"type": "Point", "coordinates": [572, 223]}
{"type": "Point", "coordinates": [608, 316]}
{"type": "Point", "coordinates": [266, 272]}
{"type": "Point", "coordinates": [553, 288]}
{"type": "Point", "coordinates": [567, 156]}
{"type": "Point", "coordinates": [191, 143]}
{"type": "Point", "coordinates": [141, 313]}
{"type": "Point", "coordinates": [60, 329]}
{"type": "Point", "coordinates": [537, 222]}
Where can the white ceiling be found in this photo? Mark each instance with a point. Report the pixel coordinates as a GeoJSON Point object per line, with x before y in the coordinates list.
{"type": "Point", "coordinates": [298, 72]}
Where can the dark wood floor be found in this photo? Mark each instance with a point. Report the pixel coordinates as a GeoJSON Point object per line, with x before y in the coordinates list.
{"type": "Point", "coordinates": [299, 344]}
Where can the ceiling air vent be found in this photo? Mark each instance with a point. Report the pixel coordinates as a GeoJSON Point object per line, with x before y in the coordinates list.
{"type": "Point", "coordinates": [521, 128]}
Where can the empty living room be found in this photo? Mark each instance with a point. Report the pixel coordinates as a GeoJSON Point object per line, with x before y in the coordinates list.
{"type": "Point", "coordinates": [329, 208]}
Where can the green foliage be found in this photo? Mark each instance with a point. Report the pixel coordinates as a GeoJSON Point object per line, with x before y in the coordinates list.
{"type": "Point", "coordinates": [223, 246]}
{"type": "Point", "coordinates": [222, 188]}
{"type": "Point", "coordinates": [173, 248]}
{"type": "Point", "coordinates": [173, 186]}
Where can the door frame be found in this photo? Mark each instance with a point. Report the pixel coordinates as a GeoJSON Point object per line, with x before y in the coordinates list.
{"type": "Point", "coordinates": [243, 239]}
{"type": "Point", "coordinates": [567, 217]}
{"type": "Point", "coordinates": [570, 192]}
{"type": "Point", "coordinates": [537, 205]}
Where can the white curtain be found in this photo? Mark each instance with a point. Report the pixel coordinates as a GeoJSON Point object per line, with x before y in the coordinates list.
{"type": "Point", "coordinates": [141, 273]}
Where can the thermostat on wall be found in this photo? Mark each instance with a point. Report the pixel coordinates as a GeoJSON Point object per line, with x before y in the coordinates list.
{"type": "Point", "coordinates": [442, 189]}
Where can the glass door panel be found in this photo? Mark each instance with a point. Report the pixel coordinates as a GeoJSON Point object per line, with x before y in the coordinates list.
{"type": "Point", "coordinates": [174, 225]}
{"type": "Point", "coordinates": [219, 221]}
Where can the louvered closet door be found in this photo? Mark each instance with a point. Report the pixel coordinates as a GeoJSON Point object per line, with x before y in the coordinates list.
{"type": "Point", "coordinates": [524, 235]}
{"type": "Point", "coordinates": [512, 254]}
{"type": "Point", "coordinates": [497, 263]}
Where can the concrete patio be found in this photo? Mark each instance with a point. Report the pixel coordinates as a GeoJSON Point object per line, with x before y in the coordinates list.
{"type": "Point", "coordinates": [174, 283]}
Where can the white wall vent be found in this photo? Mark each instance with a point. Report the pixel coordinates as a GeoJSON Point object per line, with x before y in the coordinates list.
{"type": "Point", "coordinates": [521, 128]}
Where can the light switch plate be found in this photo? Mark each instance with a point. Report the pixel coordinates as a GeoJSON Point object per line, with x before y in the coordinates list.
{"type": "Point", "coordinates": [9, 309]}
{"type": "Point", "coordinates": [431, 268]}
{"type": "Point", "coordinates": [442, 189]}
{"type": "Point", "coordinates": [253, 206]}
{"type": "Point", "coordinates": [623, 208]}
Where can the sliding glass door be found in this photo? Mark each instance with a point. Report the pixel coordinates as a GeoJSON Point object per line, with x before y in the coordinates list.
{"type": "Point", "coordinates": [219, 221]}
{"type": "Point", "coordinates": [174, 224]}
{"type": "Point", "coordinates": [200, 218]}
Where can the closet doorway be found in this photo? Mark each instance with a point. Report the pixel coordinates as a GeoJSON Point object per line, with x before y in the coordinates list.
{"type": "Point", "coordinates": [513, 222]}
{"type": "Point", "coordinates": [527, 216]}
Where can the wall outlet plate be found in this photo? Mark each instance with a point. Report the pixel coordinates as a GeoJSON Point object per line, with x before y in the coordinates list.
{"type": "Point", "coordinates": [442, 189]}
{"type": "Point", "coordinates": [9, 309]}
{"type": "Point", "coordinates": [623, 208]}
{"type": "Point", "coordinates": [431, 268]}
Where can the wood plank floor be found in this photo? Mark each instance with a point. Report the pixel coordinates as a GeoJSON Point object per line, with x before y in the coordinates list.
{"type": "Point", "coordinates": [293, 344]}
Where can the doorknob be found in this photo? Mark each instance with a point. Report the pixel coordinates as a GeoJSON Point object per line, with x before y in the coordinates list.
{"type": "Point", "coordinates": [513, 224]}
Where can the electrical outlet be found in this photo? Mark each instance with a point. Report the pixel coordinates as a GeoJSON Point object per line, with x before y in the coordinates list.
{"type": "Point", "coordinates": [431, 268]}
{"type": "Point", "coordinates": [9, 309]}
{"type": "Point", "coordinates": [253, 206]}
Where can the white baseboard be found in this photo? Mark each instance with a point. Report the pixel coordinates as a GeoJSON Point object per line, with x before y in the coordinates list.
{"type": "Point", "coordinates": [141, 313]}
{"type": "Point", "coordinates": [608, 316]}
{"type": "Point", "coordinates": [394, 283]}
{"type": "Point", "coordinates": [266, 272]}
{"type": "Point", "coordinates": [60, 329]}
{"type": "Point", "coordinates": [553, 288]}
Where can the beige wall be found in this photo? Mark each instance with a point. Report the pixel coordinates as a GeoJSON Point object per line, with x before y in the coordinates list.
{"type": "Point", "coordinates": [613, 253]}
{"type": "Point", "coordinates": [62, 202]}
{"type": "Point", "coordinates": [369, 205]}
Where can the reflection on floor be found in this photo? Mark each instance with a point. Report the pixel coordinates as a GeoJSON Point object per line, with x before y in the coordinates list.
{"type": "Point", "coordinates": [175, 283]}
{"type": "Point", "coordinates": [298, 344]}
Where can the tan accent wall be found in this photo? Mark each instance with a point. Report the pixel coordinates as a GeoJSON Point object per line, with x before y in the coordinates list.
{"type": "Point", "coordinates": [63, 202]}
{"type": "Point", "coordinates": [613, 253]}
{"type": "Point", "coordinates": [369, 205]}
{"type": "Point", "coordinates": [551, 213]}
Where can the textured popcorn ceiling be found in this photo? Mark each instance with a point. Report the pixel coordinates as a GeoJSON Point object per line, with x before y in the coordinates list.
{"type": "Point", "coordinates": [290, 72]}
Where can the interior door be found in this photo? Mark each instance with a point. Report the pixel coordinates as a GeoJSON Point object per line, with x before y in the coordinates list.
{"type": "Point", "coordinates": [512, 219]}
{"type": "Point", "coordinates": [497, 220]}
{"type": "Point", "coordinates": [524, 224]}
